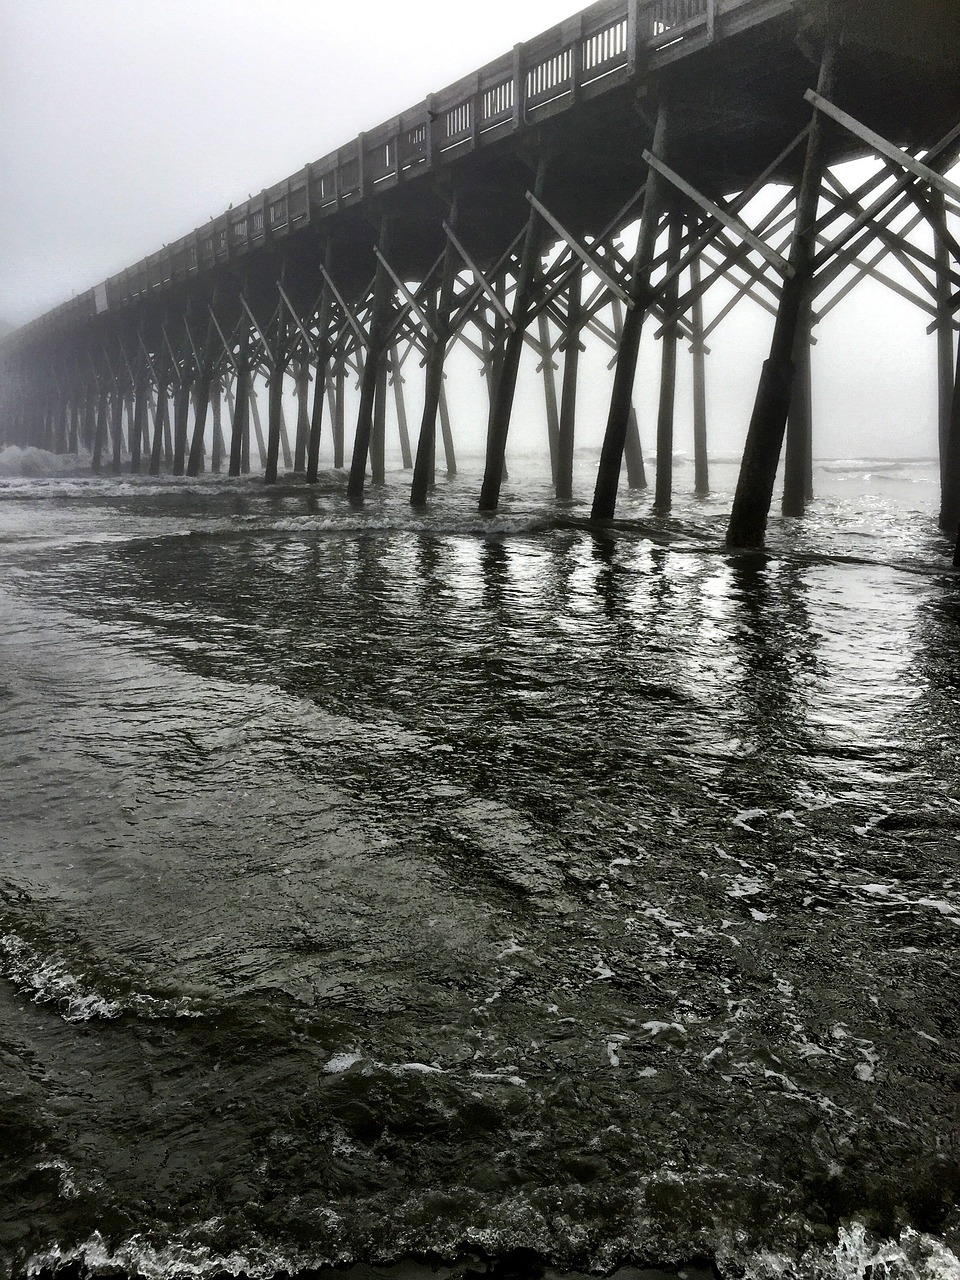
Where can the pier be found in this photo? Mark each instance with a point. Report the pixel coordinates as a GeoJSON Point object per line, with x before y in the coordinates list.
{"type": "Point", "coordinates": [491, 216]}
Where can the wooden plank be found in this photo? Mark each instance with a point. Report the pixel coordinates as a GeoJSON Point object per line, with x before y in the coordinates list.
{"type": "Point", "coordinates": [728, 220]}
{"type": "Point", "coordinates": [613, 285]}
{"type": "Point", "coordinates": [884, 148]}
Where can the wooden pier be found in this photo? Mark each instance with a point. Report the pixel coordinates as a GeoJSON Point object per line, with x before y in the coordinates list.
{"type": "Point", "coordinates": [491, 214]}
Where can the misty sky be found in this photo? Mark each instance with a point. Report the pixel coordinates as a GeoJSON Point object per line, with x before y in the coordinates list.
{"type": "Point", "coordinates": [124, 124]}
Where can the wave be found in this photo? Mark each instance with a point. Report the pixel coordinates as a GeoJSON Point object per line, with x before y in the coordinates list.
{"type": "Point", "coordinates": [76, 998]}
{"type": "Point", "coordinates": [31, 464]}
{"type": "Point", "coordinates": [856, 1255]}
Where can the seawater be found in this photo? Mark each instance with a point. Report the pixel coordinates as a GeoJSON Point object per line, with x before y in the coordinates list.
{"type": "Point", "coordinates": [381, 885]}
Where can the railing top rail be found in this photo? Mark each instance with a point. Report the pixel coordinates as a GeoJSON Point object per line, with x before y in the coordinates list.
{"type": "Point", "coordinates": [469, 96]}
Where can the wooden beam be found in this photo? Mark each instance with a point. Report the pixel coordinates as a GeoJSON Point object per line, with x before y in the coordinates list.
{"type": "Point", "coordinates": [727, 220]}
{"type": "Point", "coordinates": [884, 148]}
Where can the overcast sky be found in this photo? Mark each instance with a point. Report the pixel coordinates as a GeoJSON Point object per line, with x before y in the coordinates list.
{"type": "Point", "coordinates": [124, 124]}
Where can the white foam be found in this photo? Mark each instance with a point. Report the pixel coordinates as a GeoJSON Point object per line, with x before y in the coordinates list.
{"type": "Point", "coordinates": [51, 982]}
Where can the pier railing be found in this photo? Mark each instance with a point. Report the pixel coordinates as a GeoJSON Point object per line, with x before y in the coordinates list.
{"type": "Point", "coordinates": [588, 54]}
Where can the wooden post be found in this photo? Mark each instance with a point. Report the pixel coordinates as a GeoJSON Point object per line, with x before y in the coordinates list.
{"type": "Point", "coordinates": [378, 439]}
{"type": "Point", "coordinates": [90, 418]}
{"type": "Point", "coordinates": [160, 428]}
{"type": "Point", "coordinates": [799, 423]}
{"type": "Point", "coordinates": [339, 414]}
{"type": "Point", "coordinates": [303, 416]}
{"type": "Point", "coordinates": [701, 468]}
{"type": "Point", "coordinates": [274, 413]}
{"type": "Point", "coordinates": [382, 292]}
{"type": "Point", "coordinates": [240, 427]}
{"type": "Point", "coordinates": [761, 455]}
{"type": "Point", "coordinates": [201, 404]}
{"type": "Point", "coordinates": [611, 454]}
{"type": "Point", "coordinates": [320, 377]}
{"type": "Point", "coordinates": [950, 492]}
{"type": "Point", "coordinates": [257, 426]}
{"type": "Point", "coordinates": [117, 430]}
{"type": "Point", "coordinates": [180, 411]}
{"type": "Point", "coordinates": [101, 432]}
{"type": "Point", "coordinates": [568, 401]}
{"type": "Point", "coordinates": [945, 372]}
{"type": "Point", "coordinates": [285, 449]}
{"type": "Point", "coordinates": [425, 464]}
{"type": "Point", "coordinates": [663, 493]}
{"type": "Point", "coordinates": [446, 433]}
{"type": "Point", "coordinates": [549, 392]}
{"type": "Point", "coordinates": [507, 381]}
{"type": "Point", "coordinates": [405, 455]}
{"type": "Point", "coordinates": [74, 442]}
{"type": "Point", "coordinates": [216, 444]}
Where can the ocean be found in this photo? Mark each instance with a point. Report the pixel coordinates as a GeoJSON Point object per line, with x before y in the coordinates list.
{"type": "Point", "coordinates": [466, 894]}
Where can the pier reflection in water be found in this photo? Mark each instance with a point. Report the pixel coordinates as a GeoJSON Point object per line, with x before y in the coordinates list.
{"type": "Point", "coordinates": [373, 885]}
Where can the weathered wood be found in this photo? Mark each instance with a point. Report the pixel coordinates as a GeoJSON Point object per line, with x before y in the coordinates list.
{"type": "Point", "coordinates": [499, 424]}
{"type": "Point", "coordinates": [950, 476]}
{"type": "Point", "coordinates": [240, 424]}
{"type": "Point", "coordinates": [406, 456]}
{"type": "Point", "coordinates": [380, 312]}
{"type": "Point", "coordinates": [200, 406]}
{"type": "Point", "coordinates": [181, 409]}
{"type": "Point", "coordinates": [548, 368]}
{"type": "Point", "coordinates": [799, 422]}
{"type": "Point", "coordinates": [258, 425]}
{"type": "Point", "coordinates": [274, 423]}
{"type": "Point", "coordinates": [945, 371]}
{"type": "Point", "coordinates": [116, 430]}
{"type": "Point", "coordinates": [621, 399]}
{"type": "Point", "coordinates": [663, 492]}
{"type": "Point", "coordinates": [216, 444]}
{"type": "Point", "coordinates": [378, 439]}
{"type": "Point", "coordinates": [433, 398]}
{"type": "Point", "coordinates": [568, 396]}
{"type": "Point", "coordinates": [446, 432]}
{"type": "Point", "coordinates": [751, 504]}
{"type": "Point", "coordinates": [160, 429]}
{"type": "Point", "coordinates": [302, 437]}
{"type": "Point", "coordinates": [701, 466]}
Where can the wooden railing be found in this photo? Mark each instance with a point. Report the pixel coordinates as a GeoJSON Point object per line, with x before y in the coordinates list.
{"type": "Point", "coordinates": [596, 50]}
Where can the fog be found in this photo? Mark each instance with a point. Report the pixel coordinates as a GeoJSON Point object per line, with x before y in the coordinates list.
{"type": "Point", "coordinates": [125, 125]}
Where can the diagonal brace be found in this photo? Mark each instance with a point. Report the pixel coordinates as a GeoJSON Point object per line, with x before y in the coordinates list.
{"type": "Point", "coordinates": [727, 219]}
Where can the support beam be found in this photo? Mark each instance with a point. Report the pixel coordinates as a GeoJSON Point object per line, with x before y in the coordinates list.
{"type": "Point", "coordinates": [611, 455]}
{"type": "Point", "coordinates": [761, 456]}
{"type": "Point", "coordinates": [216, 444]}
{"type": "Point", "coordinates": [663, 493]}
{"type": "Point", "coordinates": [101, 433]}
{"type": "Point", "coordinates": [799, 421]}
{"type": "Point", "coordinates": [950, 488]}
{"type": "Point", "coordinates": [502, 408]}
{"type": "Point", "coordinates": [116, 430]}
{"type": "Point", "coordinates": [568, 398]}
{"type": "Point", "coordinates": [945, 378]}
{"type": "Point", "coordinates": [548, 368]}
{"type": "Point", "coordinates": [446, 432]}
{"type": "Point", "coordinates": [903, 159]}
{"type": "Point", "coordinates": [201, 403]}
{"type": "Point", "coordinates": [240, 425]}
{"type": "Point", "coordinates": [160, 429]}
{"type": "Point", "coordinates": [382, 292]}
{"type": "Point", "coordinates": [701, 467]}
{"type": "Point", "coordinates": [274, 421]}
{"type": "Point", "coordinates": [302, 438]}
{"type": "Point", "coordinates": [400, 403]}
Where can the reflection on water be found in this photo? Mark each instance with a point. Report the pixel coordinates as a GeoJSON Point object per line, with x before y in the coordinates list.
{"type": "Point", "coordinates": [376, 885]}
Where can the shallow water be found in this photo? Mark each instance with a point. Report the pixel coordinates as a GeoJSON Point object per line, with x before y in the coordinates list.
{"type": "Point", "coordinates": [376, 883]}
